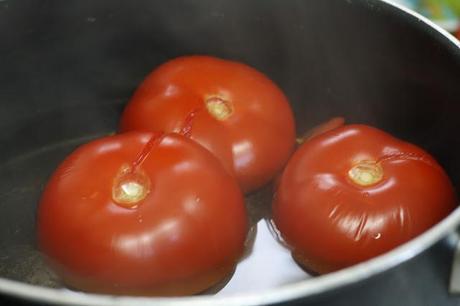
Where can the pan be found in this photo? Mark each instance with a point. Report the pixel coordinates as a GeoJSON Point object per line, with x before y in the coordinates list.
{"type": "Point", "coordinates": [67, 68]}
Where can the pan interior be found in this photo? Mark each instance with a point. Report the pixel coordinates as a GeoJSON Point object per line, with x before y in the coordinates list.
{"type": "Point", "coordinates": [67, 69]}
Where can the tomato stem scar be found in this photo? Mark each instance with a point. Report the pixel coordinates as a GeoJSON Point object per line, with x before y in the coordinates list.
{"type": "Point", "coordinates": [130, 187]}
{"type": "Point", "coordinates": [218, 107]}
{"type": "Point", "coordinates": [131, 184]}
{"type": "Point", "coordinates": [366, 173]}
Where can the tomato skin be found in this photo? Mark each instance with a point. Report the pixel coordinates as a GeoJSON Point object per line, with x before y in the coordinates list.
{"type": "Point", "coordinates": [184, 236]}
{"type": "Point", "coordinates": [321, 128]}
{"type": "Point", "coordinates": [330, 222]}
{"type": "Point", "coordinates": [253, 143]}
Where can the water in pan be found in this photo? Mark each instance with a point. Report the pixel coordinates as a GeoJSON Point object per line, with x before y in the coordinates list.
{"type": "Point", "coordinates": [22, 181]}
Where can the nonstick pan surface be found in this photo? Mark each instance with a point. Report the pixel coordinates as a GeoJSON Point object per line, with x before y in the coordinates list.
{"type": "Point", "coordinates": [68, 67]}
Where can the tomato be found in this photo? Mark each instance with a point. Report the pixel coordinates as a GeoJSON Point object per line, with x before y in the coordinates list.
{"type": "Point", "coordinates": [355, 192]}
{"type": "Point", "coordinates": [241, 115]}
{"type": "Point", "coordinates": [142, 214]}
{"type": "Point", "coordinates": [321, 128]}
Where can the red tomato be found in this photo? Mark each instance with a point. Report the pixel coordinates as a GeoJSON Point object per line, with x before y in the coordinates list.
{"type": "Point", "coordinates": [356, 192]}
{"type": "Point", "coordinates": [319, 129]}
{"type": "Point", "coordinates": [144, 215]}
{"type": "Point", "coordinates": [245, 119]}
{"type": "Point", "coordinates": [322, 128]}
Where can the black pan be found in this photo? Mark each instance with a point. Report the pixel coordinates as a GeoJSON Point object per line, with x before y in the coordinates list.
{"type": "Point", "coordinates": [68, 67]}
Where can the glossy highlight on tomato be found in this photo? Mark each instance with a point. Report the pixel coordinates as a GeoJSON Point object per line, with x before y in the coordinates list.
{"type": "Point", "coordinates": [355, 192]}
{"type": "Point", "coordinates": [142, 214]}
{"type": "Point", "coordinates": [241, 115]}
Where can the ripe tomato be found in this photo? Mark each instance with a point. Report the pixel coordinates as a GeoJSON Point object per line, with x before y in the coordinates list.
{"type": "Point", "coordinates": [139, 214]}
{"type": "Point", "coordinates": [243, 117]}
{"type": "Point", "coordinates": [355, 192]}
{"type": "Point", "coordinates": [321, 128]}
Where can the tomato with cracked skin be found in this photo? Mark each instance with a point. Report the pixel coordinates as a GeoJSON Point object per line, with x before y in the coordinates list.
{"type": "Point", "coordinates": [355, 192]}
{"type": "Point", "coordinates": [142, 214]}
{"type": "Point", "coordinates": [241, 115]}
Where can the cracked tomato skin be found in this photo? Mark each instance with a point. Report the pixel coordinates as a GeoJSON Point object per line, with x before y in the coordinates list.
{"type": "Point", "coordinates": [252, 133]}
{"type": "Point", "coordinates": [330, 221]}
{"type": "Point", "coordinates": [185, 235]}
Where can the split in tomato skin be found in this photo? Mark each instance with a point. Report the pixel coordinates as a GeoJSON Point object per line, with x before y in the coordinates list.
{"type": "Point", "coordinates": [118, 218]}
{"type": "Point", "coordinates": [356, 192]}
{"type": "Point", "coordinates": [245, 119]}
